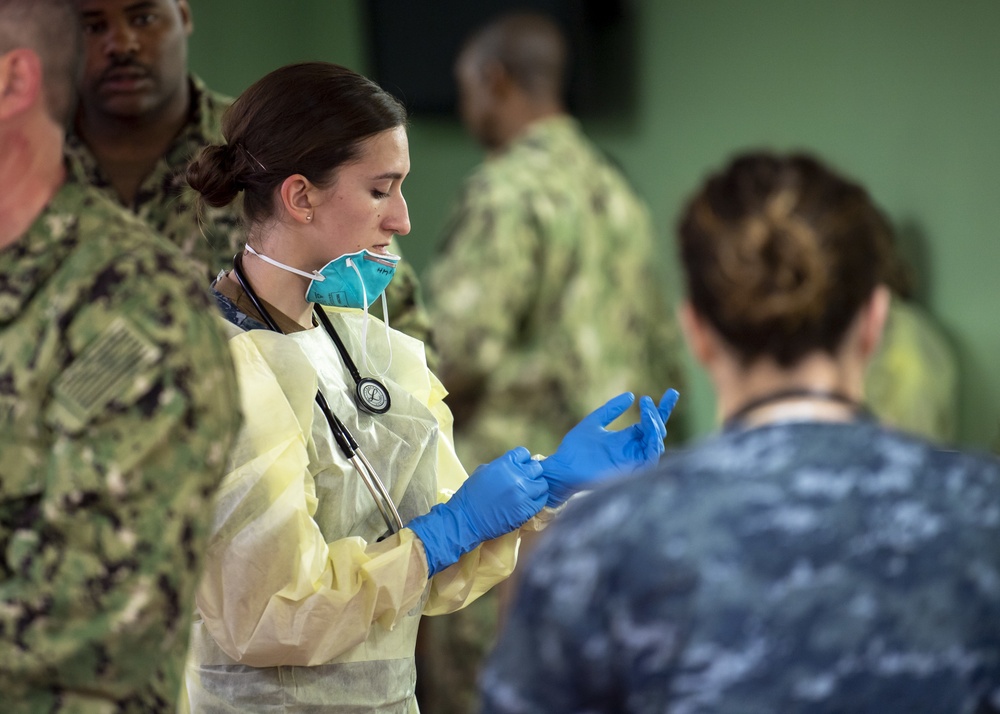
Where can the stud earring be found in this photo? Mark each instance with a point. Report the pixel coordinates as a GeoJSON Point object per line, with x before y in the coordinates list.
{"type": "Point", "coordinates": [309, 217]}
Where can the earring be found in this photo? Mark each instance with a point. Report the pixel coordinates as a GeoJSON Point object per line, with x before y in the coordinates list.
{"type": "Point", "coordinates": [309, 217]}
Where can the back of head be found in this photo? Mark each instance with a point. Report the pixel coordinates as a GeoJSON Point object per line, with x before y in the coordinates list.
{"type": "Point", "coordinates": [779, 254]}
{"type": "Point", "coordinates": [529, 46]}
{"type": "Point", "coordinates": [50, 28]}
{"type": "Point", "coordinates": [308, 118]}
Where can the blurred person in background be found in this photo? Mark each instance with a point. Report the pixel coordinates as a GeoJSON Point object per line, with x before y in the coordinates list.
{"type": "Point", "coordinates": [546, 295]}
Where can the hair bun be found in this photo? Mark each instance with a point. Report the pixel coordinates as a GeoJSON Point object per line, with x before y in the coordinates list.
{"type": "Point", "coordinates": [214, 173]}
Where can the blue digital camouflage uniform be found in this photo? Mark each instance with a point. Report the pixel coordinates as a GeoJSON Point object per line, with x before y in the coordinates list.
{"type": "Point", "coordinates": [912, 382]}
{"type": "Point", "coordinates": [212, 236]}
{"type": "Point", "coordinates": [118, 405]}
{"type": "Point", "coordinates": [547, 301]}
{"type": "Point", "coordinates": [798, 567]}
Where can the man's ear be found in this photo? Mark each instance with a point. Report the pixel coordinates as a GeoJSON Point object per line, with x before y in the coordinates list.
{"type": "Point", "coordinates": [20, 81]}
{"type": "Point", "coordinates": [497, 79]}
{"type": "Point", "coordinates": [186, 19]}
{"type": "Point", "coordinates": [295, 193]}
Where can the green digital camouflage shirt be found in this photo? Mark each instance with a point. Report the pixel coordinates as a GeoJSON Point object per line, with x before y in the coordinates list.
{"type": "Point", "coordinates": [547, 299]}
{"type": "Point", "coordinates": [117, 410]}
{"type": "Point", "coordinates": [212, 236]}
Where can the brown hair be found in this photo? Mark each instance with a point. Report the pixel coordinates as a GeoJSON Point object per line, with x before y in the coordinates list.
{"type": "Point", "coordinates": [309, 118]}
{"type": "Point", "coordinates": [779, 254]}
{"type": "Point", "coordinates": [51, 28]}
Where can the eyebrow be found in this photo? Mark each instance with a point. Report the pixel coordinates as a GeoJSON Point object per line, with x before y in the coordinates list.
{"type": "Point", "coordinates": [389, 175]}
{"type": "Point", "coordinates": [134, 7]}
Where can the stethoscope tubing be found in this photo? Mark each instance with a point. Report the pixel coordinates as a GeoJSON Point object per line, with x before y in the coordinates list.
{"type": "Point", "coordinates": [341, 434]}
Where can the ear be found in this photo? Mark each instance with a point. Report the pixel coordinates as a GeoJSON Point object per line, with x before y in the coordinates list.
{"type": "Point", "coordinates": [186, 20]}
{"type": "Point", "coordinates": [20, 81]}
{"type": "Point", "coordinates": [699, 336]}
{"type": "Point", "coordinates": [497, 80]}
{"type": "Point", "coordinates": [296, 192]}
{"type": "Point", "coordinates": [873, 318]}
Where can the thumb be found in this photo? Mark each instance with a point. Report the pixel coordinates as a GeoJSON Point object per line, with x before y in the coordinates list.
{"type": "Point", "coordinates": [612, 409]}
{"type": "Point", "coordinates": [518, 455]}
{"type": "Point", "coordinates": [668, 402]}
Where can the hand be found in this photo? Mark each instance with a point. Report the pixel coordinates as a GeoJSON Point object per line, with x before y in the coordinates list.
{"type": "Point", "coordinates": [589, 452]}
{"type": "Point", "coordinates": [497, 498]}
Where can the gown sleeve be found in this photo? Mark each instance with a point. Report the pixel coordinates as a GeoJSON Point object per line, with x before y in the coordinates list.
{"type": "Point", "coordinates": [274, 591]}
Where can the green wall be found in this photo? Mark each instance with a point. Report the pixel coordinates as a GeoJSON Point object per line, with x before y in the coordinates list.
{"type": "Point", "coordinates": [900, 94]}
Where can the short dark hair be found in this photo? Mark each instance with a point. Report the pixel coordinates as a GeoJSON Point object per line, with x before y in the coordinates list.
{"type": "Point", "coordinates": [530, 47]}
{"type": "Point", "coordinates": [51, 28]}
{"type": "Point", "coordinates": [779, 254]}
{"type": "Point", "coordinates": [308, 118]}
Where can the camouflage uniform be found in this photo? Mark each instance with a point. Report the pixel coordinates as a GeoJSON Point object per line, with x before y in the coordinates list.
{"type": "Point", "coordinates": [547, 302]}
{"type": "Point", "coordinates": [913, 381]}
{"type": "Point", "coordinates": [118, 405]}
{"type": "Point", "coordinates": [212, 236]}
{"type": "Point", "coordinates": [798, 567]}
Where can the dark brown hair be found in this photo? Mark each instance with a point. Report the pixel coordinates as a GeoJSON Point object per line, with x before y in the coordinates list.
{"type": "Point", "coordinates": [307, 118]}
{"type": "Point", "coordinates": [52, 29]}
{"type": "Point", "coordinates": [780, 253]}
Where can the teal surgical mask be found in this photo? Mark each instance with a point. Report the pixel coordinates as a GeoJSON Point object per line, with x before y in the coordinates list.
{"type": "Point", "coordinates": [352, 280]}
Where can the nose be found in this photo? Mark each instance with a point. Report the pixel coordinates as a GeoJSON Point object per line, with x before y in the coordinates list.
{"type": "Point", "coordinates": [120, 39]}
{"type": "Point", "coordinates": [398, 218]}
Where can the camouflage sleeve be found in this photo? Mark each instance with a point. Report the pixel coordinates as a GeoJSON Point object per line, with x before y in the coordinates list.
{"type": "Point", "coordinates": [106, 493]}
{"type": "Point", "coordinates": [483, 285]}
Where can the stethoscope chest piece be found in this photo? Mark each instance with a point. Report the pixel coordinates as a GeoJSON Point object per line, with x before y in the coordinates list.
{"type": "Point", "coordinates": [372, 396]}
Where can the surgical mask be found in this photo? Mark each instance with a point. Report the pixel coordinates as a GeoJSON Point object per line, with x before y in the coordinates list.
{"type": "Point", "coordinates": [352, 280]}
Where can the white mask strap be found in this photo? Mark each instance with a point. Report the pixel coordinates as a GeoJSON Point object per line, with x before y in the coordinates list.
{"type": "Point", "coordinates": [315, 275]}
{"type": "Point", "coordinates": [364, 326]}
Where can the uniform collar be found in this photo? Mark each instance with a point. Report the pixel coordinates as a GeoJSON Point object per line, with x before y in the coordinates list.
{"type": "Point", "coordinates": [35, 257]}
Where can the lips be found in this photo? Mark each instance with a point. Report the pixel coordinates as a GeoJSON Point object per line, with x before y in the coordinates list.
{"type": "Point", "coordinates": [124, 79]}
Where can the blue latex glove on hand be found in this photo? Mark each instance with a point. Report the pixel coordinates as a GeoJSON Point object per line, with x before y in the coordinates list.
{"type": "Point", "coordinates": [589, 452]}
{"type": "Point", "coordinates": [497, 498]}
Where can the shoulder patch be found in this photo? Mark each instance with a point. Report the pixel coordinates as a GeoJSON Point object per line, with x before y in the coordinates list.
{"type": "Point", "coordinates": [106, 369]}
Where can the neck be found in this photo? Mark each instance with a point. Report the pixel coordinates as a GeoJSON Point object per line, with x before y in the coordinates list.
{"type": "Point", "coordinates": [31, 172]}
{"type": "Point", "coordinates": [522, 117]}
{"type": "Point", "coordinates": [284, 290]}
{"type": "Point", "coordinates": [818, 387]}
{"type": "Point", "coordinates": [127, 148]}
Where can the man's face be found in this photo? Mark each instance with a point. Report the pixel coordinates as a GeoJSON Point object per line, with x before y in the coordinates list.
{"type": "Point", "coordinates": [136, 55]}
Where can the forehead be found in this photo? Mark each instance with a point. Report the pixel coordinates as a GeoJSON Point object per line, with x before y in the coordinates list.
{"type": "Point", "coordinates": [117, 6]}
{"type": "Point", "coordinates": [384, 154]}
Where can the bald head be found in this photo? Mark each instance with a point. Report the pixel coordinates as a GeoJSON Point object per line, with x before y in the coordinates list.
{"type": "Point", "coordinates": [50, 28]}
{"type": "Point", "coordinates": [529, 47]}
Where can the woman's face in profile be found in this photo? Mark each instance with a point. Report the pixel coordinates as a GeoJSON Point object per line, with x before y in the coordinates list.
{"type": "Point", "coordinates": [365, 208]}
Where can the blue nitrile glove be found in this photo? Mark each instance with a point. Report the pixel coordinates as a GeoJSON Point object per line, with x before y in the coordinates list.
{"type": "Point", "coordinates": [497, 498]}
{"type": "Point", "coordinates": [589, 452]}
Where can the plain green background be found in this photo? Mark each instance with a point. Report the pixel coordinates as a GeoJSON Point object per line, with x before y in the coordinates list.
{"type": "Point", "coordinates": [903, 95]}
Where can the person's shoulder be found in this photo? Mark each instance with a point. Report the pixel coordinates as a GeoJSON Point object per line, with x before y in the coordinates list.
{"type": "Point", "coordinates": [117, 247]}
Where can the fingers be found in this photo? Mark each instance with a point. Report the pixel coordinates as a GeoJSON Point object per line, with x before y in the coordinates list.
{"type": "Point", "coordinates": [613, 409]}
{"type": "Point", "coordinates": [519, 455]}
{"type": "Point", "coordinates": [652, 420]}
{"type": "Point", "coordinates": [668, 402]}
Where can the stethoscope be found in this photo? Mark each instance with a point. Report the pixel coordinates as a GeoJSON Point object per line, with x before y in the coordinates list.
{"type": "Point", "coordinates": [370, 394]}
